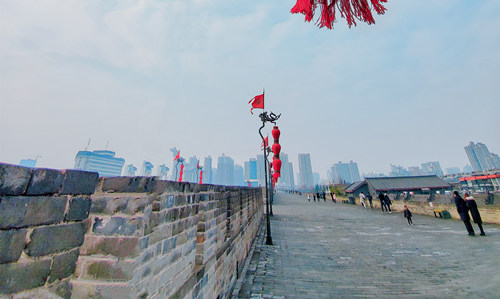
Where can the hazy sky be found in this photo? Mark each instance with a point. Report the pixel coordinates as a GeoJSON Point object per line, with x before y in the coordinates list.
{"type": "Point", "coordinates": [149, 75]}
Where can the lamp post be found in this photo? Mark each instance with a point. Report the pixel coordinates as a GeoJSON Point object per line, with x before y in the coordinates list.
{"type": "Point", "coordinates": [264, 117]}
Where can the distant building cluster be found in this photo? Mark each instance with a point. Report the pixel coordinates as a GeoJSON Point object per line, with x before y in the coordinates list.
{"type": "Point", "coordinates": [344, 173]}
{"type": "Point", "coordinates": [480, 157]}
{"type": "Point", "coordinates": [428, 168]}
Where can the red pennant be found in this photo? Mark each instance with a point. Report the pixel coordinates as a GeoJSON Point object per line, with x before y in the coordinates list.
{"type": "Point", "coordinates": [257, 102]}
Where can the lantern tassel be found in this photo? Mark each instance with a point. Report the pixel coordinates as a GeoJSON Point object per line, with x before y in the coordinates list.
{"type": "Point", "coordinates": [351, 10]}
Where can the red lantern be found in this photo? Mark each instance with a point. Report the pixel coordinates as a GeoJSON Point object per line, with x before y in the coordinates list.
{"type": "Point", "coordinates": [277, 166]}
{"type": "Point", "coordinates": [181, 172]}
{"type": "Point", "coordinates": [201, 175]}
{"type": "Point", "coordinates": [276, 134]}
{"type": "Point", "coordinates": [276, 149]}
{"type": "Point", "coordinates": [276, 175]}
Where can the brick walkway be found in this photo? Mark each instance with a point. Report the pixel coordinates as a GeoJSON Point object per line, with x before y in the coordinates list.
{"type": "Point", "coordinates": [328, 250]}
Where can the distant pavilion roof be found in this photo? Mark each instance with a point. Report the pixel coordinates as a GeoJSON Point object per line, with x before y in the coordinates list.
{"type": "Point", "coordinates": [407, 183]}
{"type": "Point", "coordinates": [354, 186]}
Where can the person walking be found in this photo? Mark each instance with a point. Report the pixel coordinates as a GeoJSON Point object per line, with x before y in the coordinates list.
{"type": "Point", "coordinates": [463, 212]}
{"type": "Point", "coordinates": [407, 215]}
{"type": "Point", "coordinates": [308, 198]}
{"type": "Point", "coordinates": [370, 200]}
{"type": "Point", "coordinates": [472, 206]}
{"type": "Point", "coordinates": [324, 196]}
{"type": "Point", "coordinates": [388, 202]}
{"type": "Point", "coordinates": [334, 198]}
{"type": "Point", "coordinates": [314, 197]}
{"type": "Point", "coordinates": [362, 199]}
{"type": "Point", "coordinates": [382, 202]}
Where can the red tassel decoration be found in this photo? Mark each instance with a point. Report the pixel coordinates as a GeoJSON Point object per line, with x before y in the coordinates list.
{"type": "Point", "coordinates": [351, 10]}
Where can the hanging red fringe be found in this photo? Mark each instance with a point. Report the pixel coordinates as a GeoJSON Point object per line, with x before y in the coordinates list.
{"type": "Point", "coordinates": [351, 10]}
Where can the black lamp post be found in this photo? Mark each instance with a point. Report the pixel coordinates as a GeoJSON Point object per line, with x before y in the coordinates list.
{"type": "Point", "coordinates": [264, 117]}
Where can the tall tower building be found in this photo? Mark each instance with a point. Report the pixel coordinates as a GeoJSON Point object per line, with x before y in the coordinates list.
{"type": "Point", "coordinates": [163, 172]}
{"type": "Point", "coordinates": [102, 161]}
{"type": "Point", "coordinates": [129, 170]}
{"type": "Point", "coordinates": [260, 170]}
{"type": "Point", "coordinates": [480, 157]}
{"type": "Point", "coordinates": [305, 170]}
{"type": "Point", "coordinates": [207, 170]}
{"type": "Point", "coordinates": [225, 171]}
{"type": "Point", "coordinates": [345, 173]}
{"type": "Point", "coordinates": [251, 172]}
{"type": "Point", "coordinates": [147, 168]}
{"type": "Point", "coordinates": [286, 179]}
{"type": "Point", "coordinates": [432, 168]}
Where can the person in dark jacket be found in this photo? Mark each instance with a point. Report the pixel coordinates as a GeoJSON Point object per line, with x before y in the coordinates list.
{"type": "Point", "coordinates": [382, 202]}
{"type": "Point", "coordinates": [388, 202]}
{"type": "Point", "coordinates": [370, 199]}
{"type": "Point", "coordinates": [463, 212]}
{"type": "Point", "coordinates": [407, 215]}
{"type": "Point", "coordinates": [472, 206]}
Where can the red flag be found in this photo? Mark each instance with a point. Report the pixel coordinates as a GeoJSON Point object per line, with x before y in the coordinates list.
{"type": "Point", "coordinates": [198, 164]}
{"type": "Point", "coordinates": [257, 102]}
{"type": "Point", "coordinates": [265, 143]}
{"type": "Point", "coordinates": [177, 157]}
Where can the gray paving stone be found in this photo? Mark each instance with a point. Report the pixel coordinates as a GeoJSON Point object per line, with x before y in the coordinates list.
{"type": "Point", "coordinates": [327, 250]}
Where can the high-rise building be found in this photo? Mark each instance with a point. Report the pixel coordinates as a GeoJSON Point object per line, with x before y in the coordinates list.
{"type": "Point", "coordinates": [305, 170]}
{"type": "Point", "coordinates": [290, 171]}
{"type": "Point", "coordinates": [345, 173]}
{"type": "Point", "coordinates": [102, 161]}
{"type": "Point", "coordinates": [147, 168]}
{"type": "Point", "coordinates": [190, 172]}
{"type": "Point", "coordinates": [207, 170]}
{"type": "Point", "coordinates": [163, 172]}
{"type": "Point", "coordinates": [480, 157]}
{"type": "Point", "coordinates": [467, 168]}
{"type": "Point", "coordinates": [432, 168]}
{"type": "Point", "coordinates": [239, 176]}
{"type": "Point", "coordinates": [129, 170]}
{"type": "Point", "coordinates": [260, 170]}
{"type": "Point", "coordinates": [225, 171]}
{"type": "Point", "coordinates": [398, 170]}
{"type": "Point", "coordinates": [286, 179]}
{"type": "Point", "coordinates": [316, 178]}
{"type": "Point", "coordinates": [251, 172]}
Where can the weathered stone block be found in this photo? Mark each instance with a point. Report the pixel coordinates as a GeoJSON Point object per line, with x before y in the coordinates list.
{"type": "Point", "coordinates": [22, 211]}
{"type": "Point", "coordinates": [45, 181]}
{"type": "Point", "coordinates": [63, 265]}
{"type": "Point", "coordinates": [16, 277]}
{"type": "Point", "coordinates": [79, 208]}
{"type": "Point", "coordinates": [14, 179]}
{"type": "Point", "coordinates": [128, 184]}
{"type": "Point", "coordinates": [79, 182]}
{"type": "Point", "coordinates": [56, 238]}
{"type": "Point", "coordinates": [116, 225]}
{"type": "Point", "coordinates": [116, 246]}
{"type": "Point", "coordinates": [11, 244]}
{"type": "Point", "coordinates": [109, 269]}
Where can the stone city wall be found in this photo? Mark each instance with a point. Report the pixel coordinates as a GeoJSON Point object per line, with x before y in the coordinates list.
{"type": "Point", "coordinates": [131, 237]}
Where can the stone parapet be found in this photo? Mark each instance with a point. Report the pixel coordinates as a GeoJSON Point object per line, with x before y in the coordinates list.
{"type": "Point", "coordinates": [67, 233]}
{"type": "Point", "coordinates": [43, 221]}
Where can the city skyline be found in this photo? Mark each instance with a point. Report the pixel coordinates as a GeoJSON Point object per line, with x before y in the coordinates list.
{"type": "Point", "coordinates": [146, 76]}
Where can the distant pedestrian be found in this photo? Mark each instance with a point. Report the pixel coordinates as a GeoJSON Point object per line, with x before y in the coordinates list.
{"type": "Point", "coordinates": [381, 197]}
{"type": "Point", "coordinates": [463, 211]}
{"type": "Point", "coordinates": [407, 215]}
{"type": "Point", "coordinates": [370, 199]}
{"type": "Point", "coordinates": [362, 199]}
{"type": "Point", "coordinates": [472, 206]}
{"type": "Point", "coordinates": [308, 198]}
{"type": "Point", "coordinates": [314, 197]}
{"type": "Point", "coordinates": [334, 197]}
{"type": "Point", "coordinates": [388, 202]}
{"type": "Point", "coordinates": [318, 196]}
{"type": "Point", "coordinates": [324, 196]}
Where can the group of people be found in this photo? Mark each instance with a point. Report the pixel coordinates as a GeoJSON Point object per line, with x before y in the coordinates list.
{"type": "Point", "coordinates": [385, 201]}
{"type": "Point", "coordinates": [321, 195]}
{"type": "Point", "coordinates": [463, 209]}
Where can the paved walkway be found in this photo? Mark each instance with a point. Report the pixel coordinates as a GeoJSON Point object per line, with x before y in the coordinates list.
{"type": "Point", "coordinates": [328, 250]}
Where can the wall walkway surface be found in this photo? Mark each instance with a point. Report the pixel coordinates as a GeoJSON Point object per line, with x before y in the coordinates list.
{"type": "Point", "coordinates": [66, 233]}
